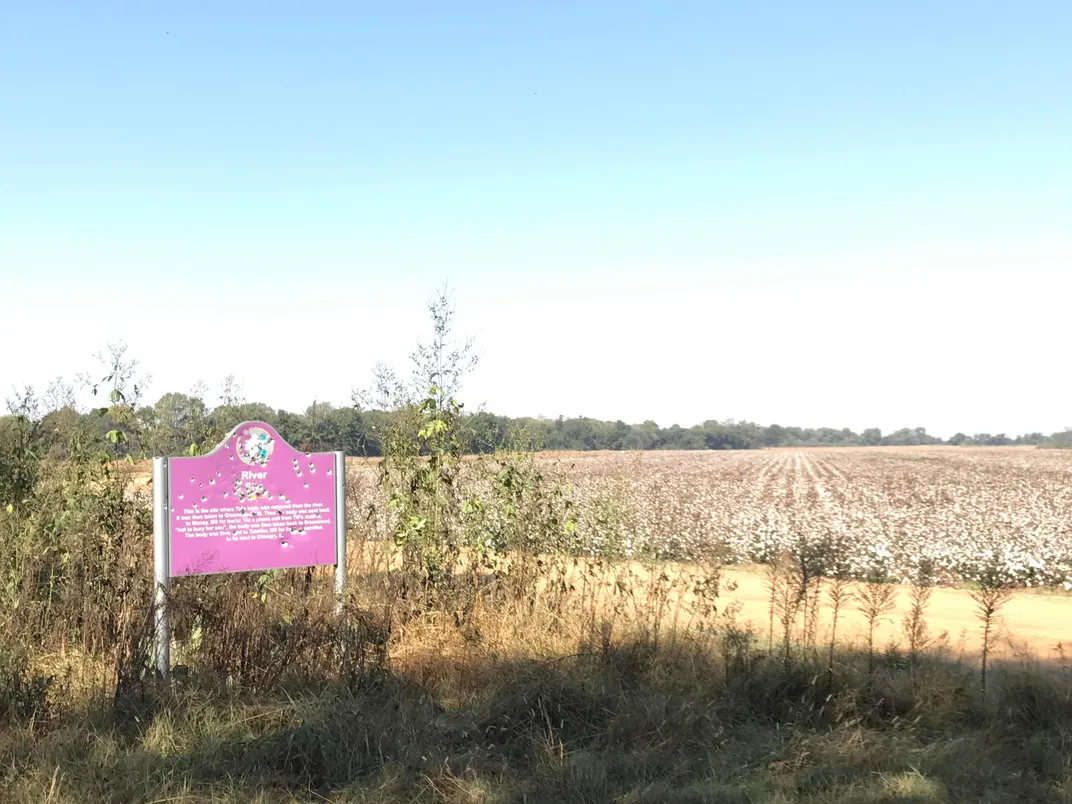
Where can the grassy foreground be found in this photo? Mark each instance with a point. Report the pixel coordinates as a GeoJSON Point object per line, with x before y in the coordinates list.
{"type": "Point", "coordinates": [512, 713]}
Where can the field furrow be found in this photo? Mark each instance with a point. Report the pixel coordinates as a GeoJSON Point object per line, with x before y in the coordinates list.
{"type": "Point", "coordinates": [962, 512]}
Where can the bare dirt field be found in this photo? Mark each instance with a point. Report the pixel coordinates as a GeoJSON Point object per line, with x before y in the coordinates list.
{"type": "Point", "coordinates": [1033, 624]}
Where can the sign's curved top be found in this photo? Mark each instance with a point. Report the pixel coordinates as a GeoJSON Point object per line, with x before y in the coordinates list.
{"type": "Point", "coordinates": [252, 503]}
{"type": "Point", "coordinates": [254, 435]}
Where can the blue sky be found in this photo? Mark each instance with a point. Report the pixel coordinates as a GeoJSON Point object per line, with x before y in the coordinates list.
{"type": "Point", "coordinates": [847, 214]}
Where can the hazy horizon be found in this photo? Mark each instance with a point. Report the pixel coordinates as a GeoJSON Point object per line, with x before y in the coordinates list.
{"type": "Point", "coordinates": [821, 216]}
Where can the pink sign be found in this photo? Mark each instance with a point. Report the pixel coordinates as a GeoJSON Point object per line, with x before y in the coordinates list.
{"type": "Point", "coordinates": [253, 503]}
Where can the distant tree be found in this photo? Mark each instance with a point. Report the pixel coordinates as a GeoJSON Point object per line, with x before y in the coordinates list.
{"type": "Point", "coordinates": [226, 417]}
{"type": "Point", "coordinates": [487, 432]}
{"type": "Point", "coordinates": [871, 437]}
{"type": "Point", "coordinates": [988, 440]}
{"type": "Point", "coordinates": [174, 424]}
{"type": "Point", "coordinates": [729, 436]}
{"type": "Point", "coordinates": [774, 435]}
{"type": "Point", "coordinates": [1062, 440]}
{"type": "Point", "coordinates": [644, 436]}
{"type": "Point", "coordinates": [910, 437]}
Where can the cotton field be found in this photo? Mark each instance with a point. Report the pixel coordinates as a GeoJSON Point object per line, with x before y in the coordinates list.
{"type": "Point", "coordinates": [959, 512]}
{"type": "Point", "coordinates": [962, 511]}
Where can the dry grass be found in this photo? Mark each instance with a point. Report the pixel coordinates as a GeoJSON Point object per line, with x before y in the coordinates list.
{"type": "Point", "coordinates": [531, 711]}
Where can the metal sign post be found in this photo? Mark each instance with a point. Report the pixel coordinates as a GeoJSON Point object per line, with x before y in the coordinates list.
{"type": "Point", "coordinates": [340, 530]}
{"type": "Point", "coordinates": [161, 571]}
{"type": "Point", "coordinates": [253, 503]}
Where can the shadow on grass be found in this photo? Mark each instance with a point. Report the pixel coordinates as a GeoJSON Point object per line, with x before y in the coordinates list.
{"type": "Point", "coordinates": [626, 724]}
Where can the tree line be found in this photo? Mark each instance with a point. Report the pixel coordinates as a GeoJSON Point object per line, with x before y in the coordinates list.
{"type": "Point", "coordinates": [180, 424]}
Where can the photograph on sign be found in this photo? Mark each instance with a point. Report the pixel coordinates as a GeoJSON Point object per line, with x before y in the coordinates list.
{"type": "Point", "coordinates": [253, 503]}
